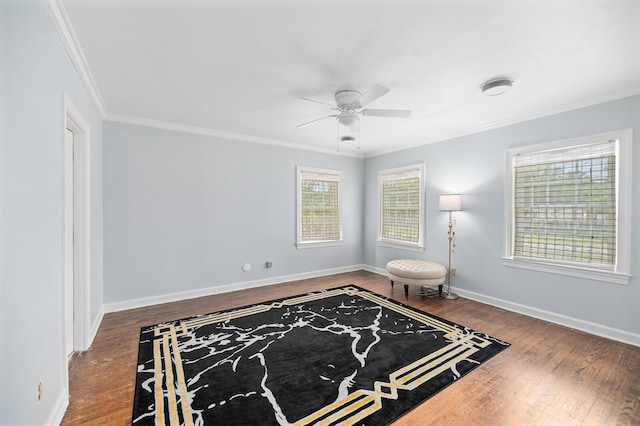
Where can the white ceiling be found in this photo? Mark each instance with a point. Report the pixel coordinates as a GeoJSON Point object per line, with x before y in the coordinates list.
{"type": "Point", "coordinates": [237, 67]}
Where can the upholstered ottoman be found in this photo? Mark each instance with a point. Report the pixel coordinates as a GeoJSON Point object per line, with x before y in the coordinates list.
{"type": "Point", "coordinates": [419, 272]}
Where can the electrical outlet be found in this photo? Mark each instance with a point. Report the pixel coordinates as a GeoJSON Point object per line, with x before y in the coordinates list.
{"type": "Point", "coordinates": [268, 264]}
{"type": "Point", "coordinates": [453, 270]}
{"type": "Point", "coordinates": [40, 389]}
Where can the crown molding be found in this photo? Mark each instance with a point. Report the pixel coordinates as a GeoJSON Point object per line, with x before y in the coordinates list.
{"type": "Point", "coordinates": [571, 106]}
{"type": "Point", "coordinates": [222, 134]}
{"type": "Point", "coordinates": [62, 24]}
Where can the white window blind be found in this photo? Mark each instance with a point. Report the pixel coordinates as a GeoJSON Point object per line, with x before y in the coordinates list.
{"type": "Point", "coordinates": [319, 206]}
{"type": "Point", "coordinates": [401, 204]}
{"type": "Point", "coordinates": [564, 205]}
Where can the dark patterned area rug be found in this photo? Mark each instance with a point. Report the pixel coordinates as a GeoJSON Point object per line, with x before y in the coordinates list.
{"type": "Point", "coordinates": [342, 356]}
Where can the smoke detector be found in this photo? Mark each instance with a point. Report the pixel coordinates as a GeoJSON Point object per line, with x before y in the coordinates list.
{"type": "Point", "coordinates": [496, 86]}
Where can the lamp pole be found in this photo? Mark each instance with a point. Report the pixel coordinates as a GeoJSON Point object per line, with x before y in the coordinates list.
{"type": "Point", "coordinates": [449, 295]}
{"type": "Point", "coordinates": [450, 203]}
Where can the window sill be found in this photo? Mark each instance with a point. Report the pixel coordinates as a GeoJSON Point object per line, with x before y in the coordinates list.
{"type": "Point", "coordinates": [314, 244]}
{"type": "Point", "coordinates": [572, 271]}
{"type": "Point", "coordinates": [401, 246]}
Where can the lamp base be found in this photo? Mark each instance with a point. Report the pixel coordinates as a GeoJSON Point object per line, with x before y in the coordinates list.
{"type": "Point", "coordinates": [449, 296]}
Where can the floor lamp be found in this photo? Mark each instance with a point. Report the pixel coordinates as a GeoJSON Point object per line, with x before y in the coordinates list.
{"type": "Point", "coordinates": [450, 203]}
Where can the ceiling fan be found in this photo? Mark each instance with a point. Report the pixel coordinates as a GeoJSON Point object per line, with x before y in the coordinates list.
{"type": "Point", "coordinates": [349, 104]}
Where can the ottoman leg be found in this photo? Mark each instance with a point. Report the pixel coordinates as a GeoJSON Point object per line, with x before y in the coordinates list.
{"type": "Point", "coordinates": [406, 291]}
{"type": "Point", "coordinates": [440, 289]}
{"type": "Point", "coordinates": [391, 283]}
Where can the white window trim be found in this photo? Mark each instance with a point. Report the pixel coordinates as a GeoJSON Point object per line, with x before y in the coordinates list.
{"type": "Point", "coordinates": [622, 269]}
{"type": "Point", "coordinates": [419, 247]}
{"type": "Point", "coordinates": [312, 244]}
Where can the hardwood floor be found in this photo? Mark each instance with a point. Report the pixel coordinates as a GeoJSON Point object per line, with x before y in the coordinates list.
{"type": "Point", "coordinates": [551, 375]}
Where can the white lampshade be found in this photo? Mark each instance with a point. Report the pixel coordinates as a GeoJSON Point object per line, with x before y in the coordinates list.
{"type": "Point", "coordinates": [450, 202]}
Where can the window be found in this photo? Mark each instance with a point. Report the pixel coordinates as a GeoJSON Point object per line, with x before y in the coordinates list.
{"type": "Point", "coordinates": [568, 205]}
{"type": "Point", "coordinates": [319, 210]}
{"type": "Point", "coordinates": [401, 201]}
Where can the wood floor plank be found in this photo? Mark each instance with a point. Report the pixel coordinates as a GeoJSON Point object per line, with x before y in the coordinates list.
{"type": "Point", "coordinates": [551, 375]}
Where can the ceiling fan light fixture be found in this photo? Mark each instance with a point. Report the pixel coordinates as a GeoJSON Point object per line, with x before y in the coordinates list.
{"type": "Point", "coordinates": [496, 86]}
{"type": "Point", "coordinates": [348, 120]}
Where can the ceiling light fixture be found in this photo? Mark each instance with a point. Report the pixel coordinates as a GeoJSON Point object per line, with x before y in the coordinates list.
{"type": "Point", "coordinates": [348, 119]}
{"type": "Point", "coordinates": [348, 130]}
{"type": "Point", "coordinates": [496, 86]}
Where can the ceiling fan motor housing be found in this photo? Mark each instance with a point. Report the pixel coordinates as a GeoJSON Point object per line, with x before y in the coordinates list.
{"type": "Point", "coordinates": [346, 97]}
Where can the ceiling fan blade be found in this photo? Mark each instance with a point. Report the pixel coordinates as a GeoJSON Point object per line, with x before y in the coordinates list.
{"type": "Point", "coordinates": [317, 119]}
{"type": "Point", "coordinates": [370, 95]}
{"type": "Point", "coordinates": [318, 102]}
{"type": "Point", "coordinates": [396, 113]}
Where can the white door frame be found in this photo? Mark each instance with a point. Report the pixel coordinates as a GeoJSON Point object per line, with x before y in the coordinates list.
{"type": "Point", "coordinates": [67, 254]}
{"type": "Point", "coordinates": [73, 119]}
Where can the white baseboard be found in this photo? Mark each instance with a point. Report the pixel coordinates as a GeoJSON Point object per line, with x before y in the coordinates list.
{"type": "Point", "coordinates": [95, 326]}
{"type": "Point", "coordinates": [60, 407]}
{"type": "Point", "coordinates": [191, 294]}
{"type": "Point", "coordinates": [375, 270]}
{"type": "Point", "coordinates": [578, 324]}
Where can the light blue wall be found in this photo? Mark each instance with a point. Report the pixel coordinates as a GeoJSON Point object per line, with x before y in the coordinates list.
{"type": "Point", "coordinates": [35, 69]}
{"type": "Point", "coordinates": [474, 166]}
{"type": "Point", "coordinates": [184, 212]}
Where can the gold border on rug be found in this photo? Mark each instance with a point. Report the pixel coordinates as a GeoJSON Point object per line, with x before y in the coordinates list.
{"type": "Point", "coordinates": [347, 411]}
